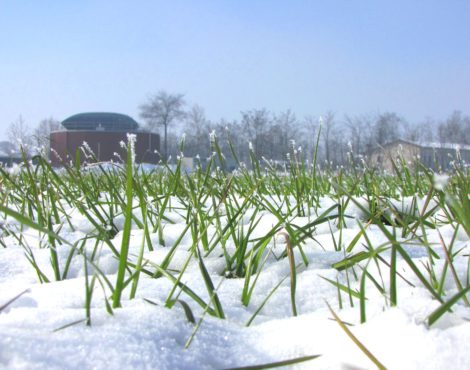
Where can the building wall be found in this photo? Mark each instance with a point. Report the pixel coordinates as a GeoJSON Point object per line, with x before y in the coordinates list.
{"type": "Point", "coordinates": [58, 144]}
{"type": "Point", "coordinates": [435, 157]}
{"type": "Point", "coordinates": [382, 157]}
{"type": "Point", "coordinates": [443, 157]}
{"type": "Point", "coordinates": [104, 144]}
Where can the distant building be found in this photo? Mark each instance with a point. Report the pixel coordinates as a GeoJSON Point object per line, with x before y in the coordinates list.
{"type": "Point", "coordinates": [103, 132]}
{"type": "Point", "coordinates": [432, 155]}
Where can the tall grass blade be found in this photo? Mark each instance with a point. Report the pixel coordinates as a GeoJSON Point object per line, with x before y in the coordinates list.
{"type": "Point", "coordinates": [210, 287]}
{"type": "Point", "coordinates": [126, 230]}
{"type": "Point", "coordinates": [293, 272]}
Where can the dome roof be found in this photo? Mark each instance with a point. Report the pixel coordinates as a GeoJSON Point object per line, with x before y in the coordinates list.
{"type": "Point", "coordinates": [100, 121]}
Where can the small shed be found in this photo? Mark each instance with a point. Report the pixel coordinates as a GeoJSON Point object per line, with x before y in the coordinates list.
{"type": "Point", "coordinates": [436, 156]}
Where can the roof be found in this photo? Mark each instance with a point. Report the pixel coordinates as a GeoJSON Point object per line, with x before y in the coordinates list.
{"type": "Point", "coordinates": [103, 121]}
{"type": "Point", "coordinates": [379, 148]}
{"type": "Point", "coordinates": [452, 146]}
{"type": "Point", "coordinates": [429, 145]}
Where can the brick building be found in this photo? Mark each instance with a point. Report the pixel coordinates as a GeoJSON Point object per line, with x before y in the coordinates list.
{"type": "Point", "coordinates": [103, 132]}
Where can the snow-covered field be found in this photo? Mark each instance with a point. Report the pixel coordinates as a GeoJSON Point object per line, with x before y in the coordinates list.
{"type": "Point", "coordinates": [45, 327]}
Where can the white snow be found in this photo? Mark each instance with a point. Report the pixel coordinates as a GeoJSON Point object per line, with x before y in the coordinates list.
{"type": "Point", "coordinates": [141, 335]}
{"type": "Point", "coordinates": [440, 181]}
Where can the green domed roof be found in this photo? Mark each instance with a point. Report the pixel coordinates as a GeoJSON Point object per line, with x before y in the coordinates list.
{"type": "Point", "coordinates": [100, 121]}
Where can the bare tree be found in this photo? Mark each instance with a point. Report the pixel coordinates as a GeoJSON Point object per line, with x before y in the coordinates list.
{"type": "Point", "coordinates": [360, 133]}
{"type": "Point", "coordinates": [456, 129]}
{"type": "Point", "coordinates": [256, 123]}
{"type": "Point", "coordinates": [282, 133]}
{"type": "Point", "coordinates": [309, 131]}
{"type": "Point", "coordinates": [163, 109]}
{"type": "Point", "coordinates": [198, 127]}
{"type": "Point", "coordinates": [328, 122]}
{"type": "Point", "coordinates": [42, 133]}
{"type": "Point", "coordinates": [388, 127]}
{"type": "Point", "coordinates": [19, 135]}
{"type": "Point", "coordinates": [232, 132]}
{"type": "Point", "coordinates": [422, 132]}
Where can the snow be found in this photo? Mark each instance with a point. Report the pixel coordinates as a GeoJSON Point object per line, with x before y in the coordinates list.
{"type": "Point", "coordinates": [440, 181]}
{"type": "Point", "coordinates": [142, 335]}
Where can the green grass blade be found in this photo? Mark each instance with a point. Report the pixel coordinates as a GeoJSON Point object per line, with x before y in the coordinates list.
{"type": "Point", "coordinates": [210, 287]}
{"type": "Point", "coordinates": [443, 308]}
{"type": "Point", "coordinates": [258, 310]}
{"type": "Point", "coordinates": [343, 287]}
{"type": "Point", "coordinates": [126, 231]}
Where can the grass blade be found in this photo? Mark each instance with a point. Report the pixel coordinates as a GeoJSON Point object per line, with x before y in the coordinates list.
{"type": "Point", "coordinates": [273, 365]}
{"type": "Point", "coordinates": [126, 231]}
{"type": "Point", "coordinates": [356, 341]}
{"type": "Point", "coordinates": [13, 299]}
{"type": "Point", "coordinates": [442, 309]}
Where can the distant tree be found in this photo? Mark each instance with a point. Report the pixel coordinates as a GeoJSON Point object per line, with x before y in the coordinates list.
{"type": "Point", "coordinates": [19, 135]}
{"type": "Point", "coordinates": [423, 132]}
{"type": "Point", "coordinates": [282, 134]}
{"type": "Point", "coordinates": [279, 139]}
{"type": "Point", "coordinates": [360, 133]}
{"type": "Point", "coordinates": [455, 129]}
{"type": "Point", "coordinates": [388, 127]}
{"type": "Point", "coordinates": [197, 129]}
{"type": "Point", "coordinates": [41, 136]}
{"type": "Point", "coordinates": [327, 122]}
{"type": "Point", "coordinates": [163, 109]}
{"type": "Point", "coordinates": [174, 141]}
{"type": "Point", "coordinates": [256, 125]}
{"type": "Point", "coordinates": [309, 132]}
{"type": "Point", "coordinates": [232, 132]}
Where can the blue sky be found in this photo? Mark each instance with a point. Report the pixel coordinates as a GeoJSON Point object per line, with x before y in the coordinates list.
{"type": "Point", "coordinates": [61, 57]}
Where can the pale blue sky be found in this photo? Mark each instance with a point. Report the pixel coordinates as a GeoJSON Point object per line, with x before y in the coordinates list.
{"type": "Point", "coordinates": [61, 57]}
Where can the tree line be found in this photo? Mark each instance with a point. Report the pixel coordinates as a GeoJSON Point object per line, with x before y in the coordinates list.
{"type": "Point", "coordinates": [32, 140]}
{"type": "Point", "coordinates": [269, 135]}
{"type": "Point", "coordinates": [275, 135]}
